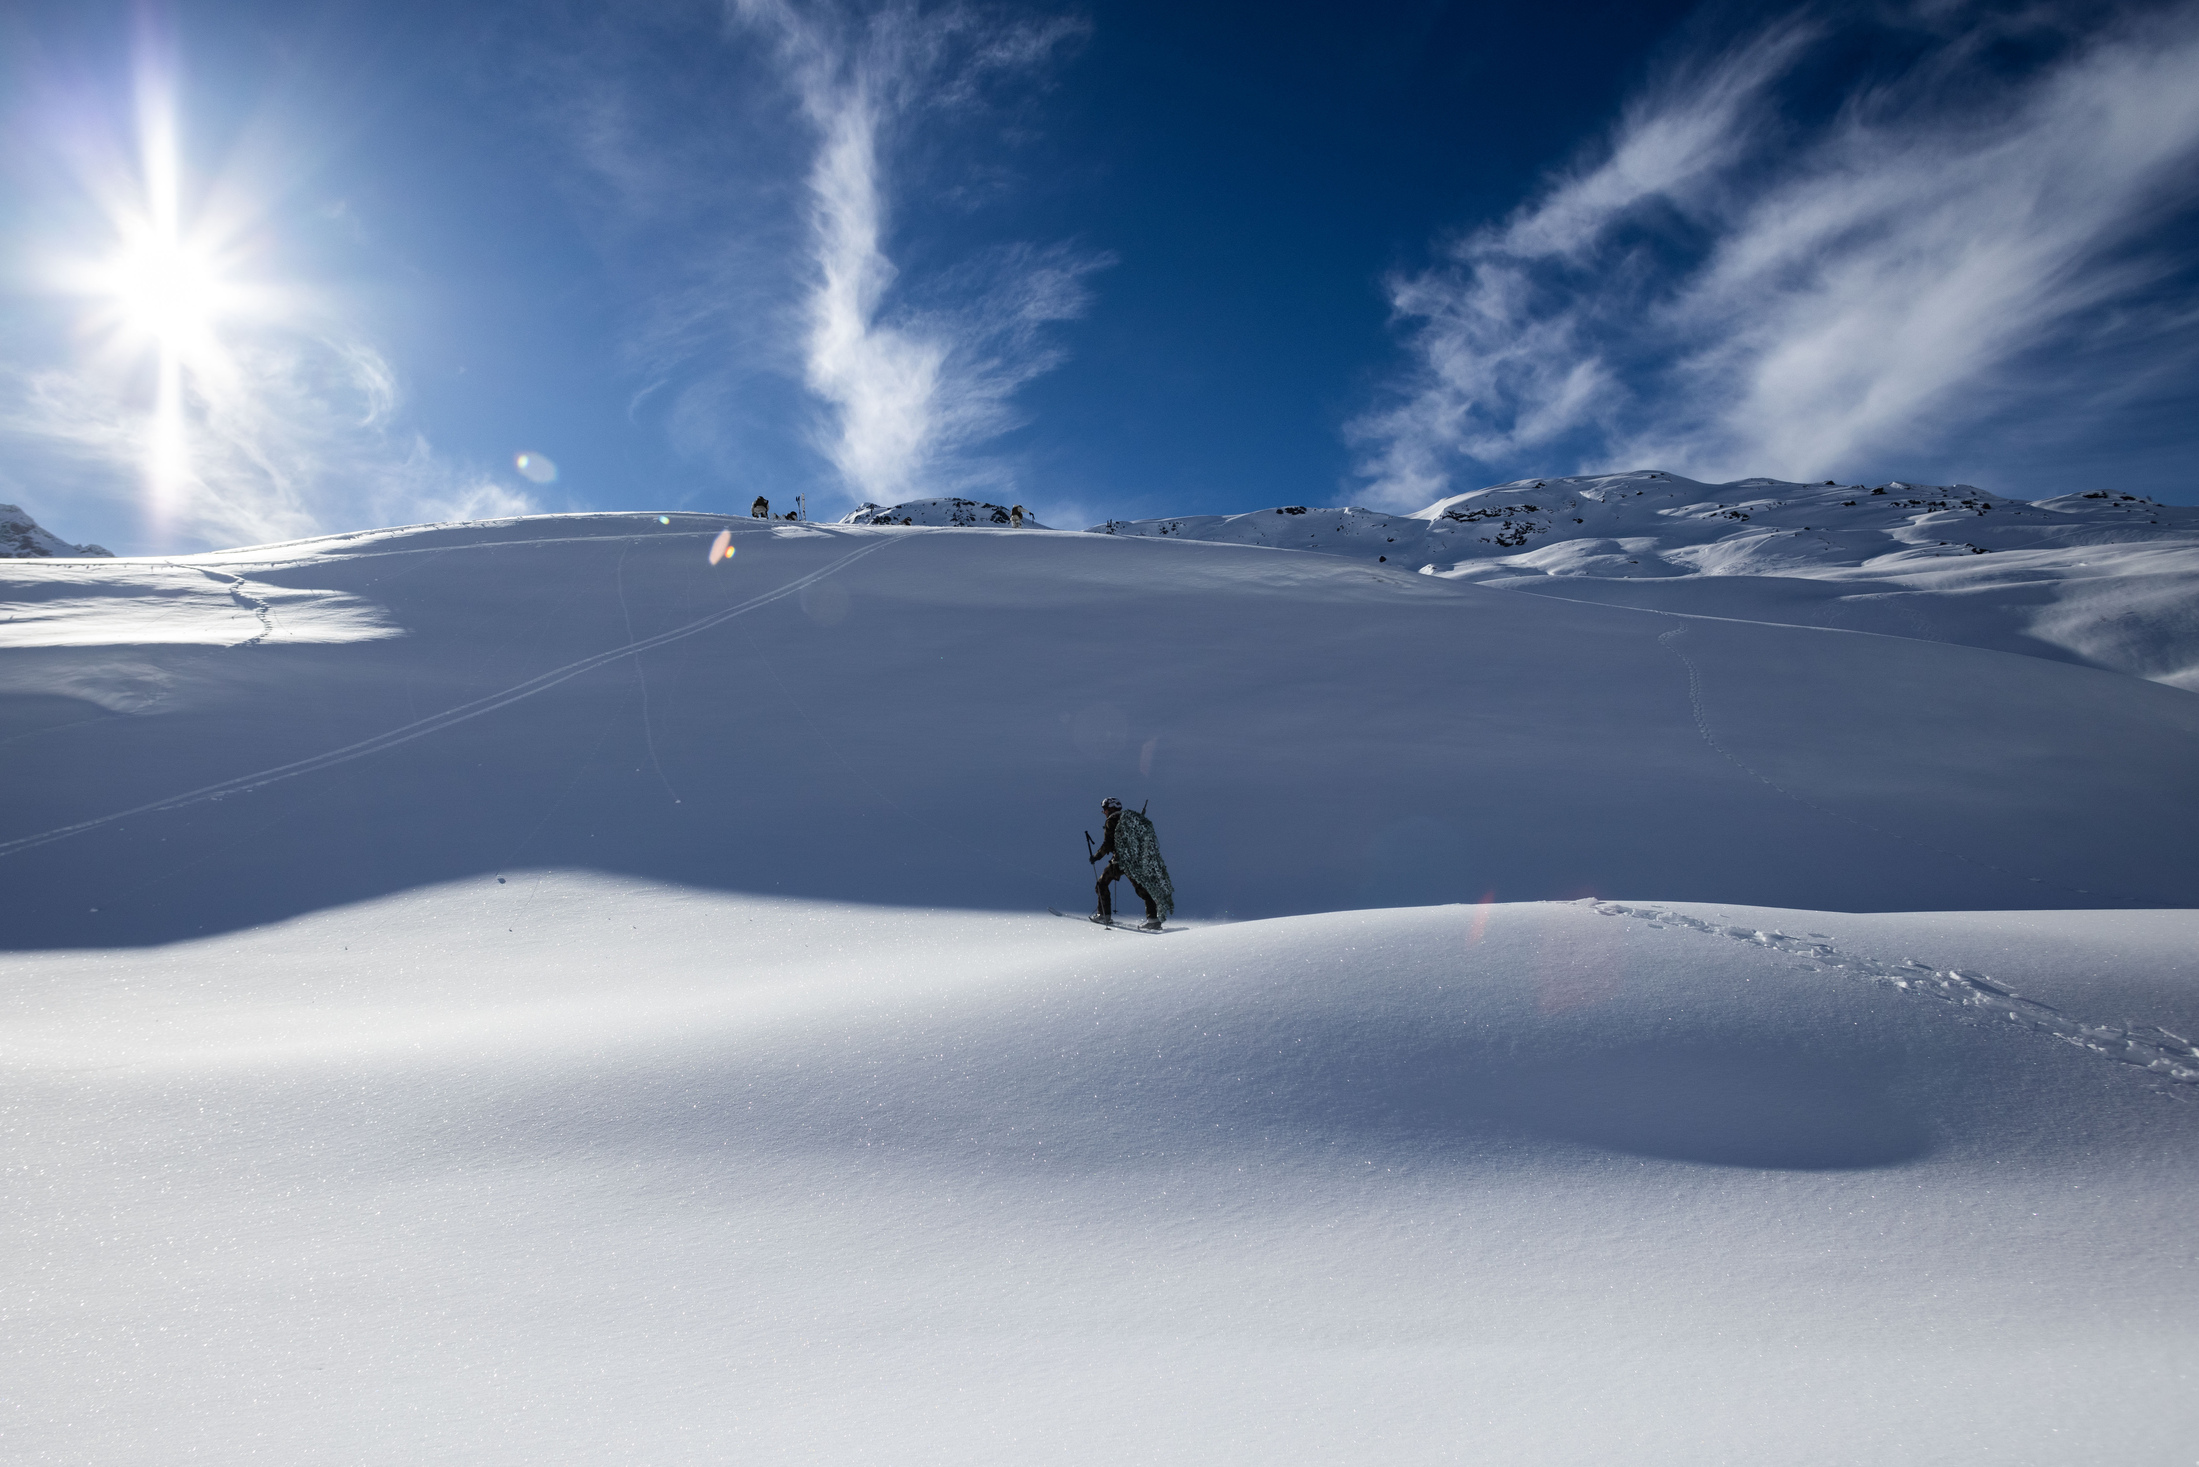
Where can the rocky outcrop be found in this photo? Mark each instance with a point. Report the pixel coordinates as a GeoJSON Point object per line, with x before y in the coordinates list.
{"type": "Point", "coordinates": [21, 537]}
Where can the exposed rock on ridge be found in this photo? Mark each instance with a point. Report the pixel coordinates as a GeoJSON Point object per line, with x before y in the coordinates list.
{"type": "Point", "coordinates": [21, 538]}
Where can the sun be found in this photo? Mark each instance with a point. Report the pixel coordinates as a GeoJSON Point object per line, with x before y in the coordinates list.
{"type": "Point", "coordinates": [161, 284]}
{"type": "Point", "coordinates": [159, 293]}
{"type": "Point", "coordinates": [163, 290]}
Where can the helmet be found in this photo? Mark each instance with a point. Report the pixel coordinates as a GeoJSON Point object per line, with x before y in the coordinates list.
{"type": "Point", "coordinates": [1110, 804]}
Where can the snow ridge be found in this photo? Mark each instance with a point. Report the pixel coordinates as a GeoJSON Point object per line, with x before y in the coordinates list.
{"type": "Point", "coordinates": [947, 512]}
{"type": "Point", "coordinates": [2103, 578]}
{"type": "Point", "coordinates": [2169, 1059]}
{"type": "Point", "coordinates": [1649, 523]}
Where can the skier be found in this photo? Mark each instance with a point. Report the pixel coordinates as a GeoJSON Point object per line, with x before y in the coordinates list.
{"type": "Point", "coordinates": [761, 509]}
{"type": "Point", "coordinates": [1128, 839]}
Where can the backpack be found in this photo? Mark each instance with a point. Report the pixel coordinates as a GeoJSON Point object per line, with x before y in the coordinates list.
{"type": "Point", "coordinates": [1139, 852]}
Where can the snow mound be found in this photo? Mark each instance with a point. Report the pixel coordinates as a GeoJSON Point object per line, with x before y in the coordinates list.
{"type": "Point", "coordinates": [578, 1170]}
{"type": "Point", "coordinates": [2105, 579]}
{"type": "Point", "coordinates": [21, 537]}
{"type": "Point", "coordinates": [947, 513]}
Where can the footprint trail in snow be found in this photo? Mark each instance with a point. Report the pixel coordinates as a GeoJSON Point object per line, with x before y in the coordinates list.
{"type": "Point", "coordinates": [2168, 1058]}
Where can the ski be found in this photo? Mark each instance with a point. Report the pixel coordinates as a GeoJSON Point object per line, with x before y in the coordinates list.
{"type": "Point", "coordinates": [1117, 927]}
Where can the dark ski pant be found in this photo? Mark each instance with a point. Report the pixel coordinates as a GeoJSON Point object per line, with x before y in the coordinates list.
{"type": "Point", "coordinates": [1105, 886]}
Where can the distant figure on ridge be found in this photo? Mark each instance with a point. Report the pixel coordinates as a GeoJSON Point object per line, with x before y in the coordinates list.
{"type": "Point", "coordinates": [1015, 518]}
{"type": "Point", "coordinates": [761, 509]}
{"type": "Point", "coordinates": [1128, 839]}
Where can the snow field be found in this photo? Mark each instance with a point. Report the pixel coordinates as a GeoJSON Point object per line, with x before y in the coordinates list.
{"type": "Point", "coordinates": [474, 1172]}
{"type": "Point", "coordinates": [520, 992]}
{"type": "Point", "coordinates": [914, 716]}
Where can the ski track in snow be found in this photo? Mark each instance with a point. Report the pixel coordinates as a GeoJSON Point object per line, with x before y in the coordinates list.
{"type": "Point", "coordinates": [434, 723]}
{"type": "Point", "coordinates": [2170, 1060]}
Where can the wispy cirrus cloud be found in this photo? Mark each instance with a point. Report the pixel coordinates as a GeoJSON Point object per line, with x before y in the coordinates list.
{"type": "Point", "coordinates": [296, 437]}
{"type": "Point", "coordinates": [1729, 288]}
{"type": "Point", "coordinates": [912, 380]}
{"type": "Point", "coordinates": [787, 277]}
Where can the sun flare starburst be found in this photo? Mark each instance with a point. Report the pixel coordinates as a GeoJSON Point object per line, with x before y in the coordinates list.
{"type": "Point", "coordinates": [160, 292]}
{"type": "Point", "coordinates": [163, 290]}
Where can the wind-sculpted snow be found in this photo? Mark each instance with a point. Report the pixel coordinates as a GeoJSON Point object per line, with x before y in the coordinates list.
{"type": "Point", "coordinates": [2102, 577]}
{"type": "Point", "coordinates": [869, 713]}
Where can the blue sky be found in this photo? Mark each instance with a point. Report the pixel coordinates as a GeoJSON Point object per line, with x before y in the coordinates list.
{"type": "Point", "coordinates": [279, 269]}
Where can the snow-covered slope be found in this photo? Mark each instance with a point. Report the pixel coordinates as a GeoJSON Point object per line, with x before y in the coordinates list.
{"type": "Point", "coordinates": [547, 997]}
{"type": "Point", "coordinates": [22, 538]}
{"type": "Point", "coordinates": [2104, 578]}
{"type": "Point", "coordinates": [1366, 532]}
{"type": "Point", "coordinates": [931, 716]}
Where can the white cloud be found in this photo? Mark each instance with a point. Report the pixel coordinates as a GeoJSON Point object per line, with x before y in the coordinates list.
{"type": "Point", "coordinates": [1725, 290]}
{"type": "Point", "coordinates": [913, 381]}
{"type": "Point", "coordinates": [787, 321]}
{"type": "Point", "coordinates": [295, 436]}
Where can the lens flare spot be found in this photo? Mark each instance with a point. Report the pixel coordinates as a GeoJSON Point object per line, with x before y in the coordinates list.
{"type": "Point", "coordinates": [722, 547]}
{"type": "Point", "coordinates": [536, 468]}
{"type": "Point", "coordinates": [664, 519]}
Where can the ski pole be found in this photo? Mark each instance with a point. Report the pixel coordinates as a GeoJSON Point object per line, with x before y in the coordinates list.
{"type": "Point", "coordinates": [1091, 853]}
